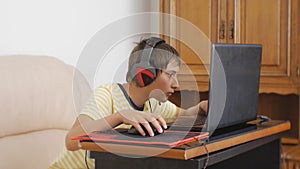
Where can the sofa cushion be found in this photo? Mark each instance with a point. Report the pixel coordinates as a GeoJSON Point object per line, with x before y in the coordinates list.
{"type": "Point", "coordinates": [38, 93]}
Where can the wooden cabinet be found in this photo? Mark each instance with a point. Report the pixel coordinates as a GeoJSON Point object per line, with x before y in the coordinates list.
{"type": "Point", "coordinates": [290, 157]}
{"type": "Point", "coordinates": [272, 23]}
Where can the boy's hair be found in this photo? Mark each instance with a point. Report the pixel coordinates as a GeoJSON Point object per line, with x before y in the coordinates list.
{"type": "Point", "coordinates": [160, 57]}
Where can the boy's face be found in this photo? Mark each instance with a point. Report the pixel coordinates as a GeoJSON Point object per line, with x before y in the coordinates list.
{"type": "Point", "coordinates": [165, 83]}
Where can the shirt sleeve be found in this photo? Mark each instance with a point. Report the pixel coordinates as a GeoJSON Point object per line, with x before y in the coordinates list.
{"type": "Point", "coordinates": [99, 105]}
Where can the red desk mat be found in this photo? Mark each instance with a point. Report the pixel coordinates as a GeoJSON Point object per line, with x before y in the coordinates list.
{"type": "Point", "coordinates": [171, 138]}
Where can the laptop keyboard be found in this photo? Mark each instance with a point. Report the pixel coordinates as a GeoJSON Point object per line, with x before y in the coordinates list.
{"type": "Point", "coordinates": [187, 121]}
{"type": "Point", "coordinates": [200, 121]}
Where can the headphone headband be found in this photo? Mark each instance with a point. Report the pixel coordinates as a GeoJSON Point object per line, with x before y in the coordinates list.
{"type": "Point", "coordinates": [151, 43]}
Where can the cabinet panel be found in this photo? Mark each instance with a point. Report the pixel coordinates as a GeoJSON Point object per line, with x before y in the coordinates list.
{"type": "Point", "coordinates": [199, 15]}
{"type": "Point", "coordinates": [201, 19]}
{"type": "Point", "coordinates": [295, 41]}
{"type": "Point", "coordinates": [266, 22]}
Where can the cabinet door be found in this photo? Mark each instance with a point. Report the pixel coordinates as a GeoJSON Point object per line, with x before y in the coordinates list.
{"type": "Point", "coordinates": [295, 42]}
{"type": "Point", "coordinates": [202, 15]}
{"type": "Point", "coordinates": [267, 22]}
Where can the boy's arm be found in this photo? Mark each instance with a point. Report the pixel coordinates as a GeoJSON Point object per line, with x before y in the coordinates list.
{"type": "Point", "coordinates": [200, 108]}
{"type": "Point", "coordinates": [84, 124]}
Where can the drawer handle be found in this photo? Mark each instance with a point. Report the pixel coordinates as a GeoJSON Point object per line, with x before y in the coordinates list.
{"type": "Point", "coordinates": [231, 30]}
{"type": "Point", "coordinates": [298, 71]}
{"type": "Point", "coordinates": [222, 30]}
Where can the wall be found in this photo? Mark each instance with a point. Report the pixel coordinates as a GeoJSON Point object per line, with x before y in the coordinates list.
{"type": "Point", "coordinates": [63, 28]}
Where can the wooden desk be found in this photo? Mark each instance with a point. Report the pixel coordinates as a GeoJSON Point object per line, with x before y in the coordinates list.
{"type": "Point", "coordinates": [258, 148]}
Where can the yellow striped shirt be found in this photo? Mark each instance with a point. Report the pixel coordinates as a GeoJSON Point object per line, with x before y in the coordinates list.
{"type": "Point", "coordinates": [107, 99]}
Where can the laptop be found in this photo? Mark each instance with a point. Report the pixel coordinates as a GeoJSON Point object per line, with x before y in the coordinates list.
{"type": "Point", "coordinates": [233, 89]}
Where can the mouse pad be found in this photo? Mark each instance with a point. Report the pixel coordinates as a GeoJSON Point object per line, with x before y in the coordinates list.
{"type": "Point", "coordinates": [171, 138]}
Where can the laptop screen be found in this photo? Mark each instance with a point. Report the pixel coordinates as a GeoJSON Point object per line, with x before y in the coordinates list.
{"type": "Point", "coordinates": [234, 84]}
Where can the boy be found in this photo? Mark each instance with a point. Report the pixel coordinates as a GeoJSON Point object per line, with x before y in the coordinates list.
{"type": "Point", "coordinates": [142, 101]}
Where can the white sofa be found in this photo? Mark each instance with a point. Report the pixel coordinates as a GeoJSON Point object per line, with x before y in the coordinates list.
{"type": "Point", "coordinates": [39, 98]}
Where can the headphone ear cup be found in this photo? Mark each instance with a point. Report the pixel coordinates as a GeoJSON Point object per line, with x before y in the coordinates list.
{"type": "Point", "coordinates": [143, 75]}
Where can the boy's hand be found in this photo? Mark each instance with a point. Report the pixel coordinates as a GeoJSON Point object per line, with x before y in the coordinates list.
{"type": "Point", "coordinates": [137, 118]}
{"type": "Point", "coordinates": [203, 107]}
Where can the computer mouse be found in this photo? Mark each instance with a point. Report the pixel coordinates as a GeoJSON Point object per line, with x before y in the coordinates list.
{"type": "Point", "coordinates": [134, 131]}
